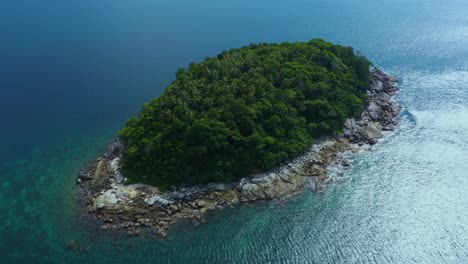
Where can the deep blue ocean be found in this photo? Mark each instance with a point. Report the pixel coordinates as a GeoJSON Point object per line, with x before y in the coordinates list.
{"type": "Point", "coordinates": [72, 73]}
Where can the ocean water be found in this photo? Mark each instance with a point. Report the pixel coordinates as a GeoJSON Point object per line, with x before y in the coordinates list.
{"type": "Point", "coordinates": [72, 72]}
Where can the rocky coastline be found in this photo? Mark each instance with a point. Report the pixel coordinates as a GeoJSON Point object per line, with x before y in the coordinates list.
{"type": "Point", "coordinates": [134, 207]}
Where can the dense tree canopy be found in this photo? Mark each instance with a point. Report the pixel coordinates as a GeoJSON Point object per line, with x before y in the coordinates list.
{"type": "Point", "coordinates": [244, 111]}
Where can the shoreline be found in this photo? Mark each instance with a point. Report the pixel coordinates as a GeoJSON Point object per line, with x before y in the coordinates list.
{"type": "Point", "coordinates": [138, 206]}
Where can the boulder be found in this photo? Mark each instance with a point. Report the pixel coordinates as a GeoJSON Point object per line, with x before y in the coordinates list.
{"type": "Point", "coordinates": [114, 149]}
{"type": "Point", "coordinates": [156, 199]}
{"type": "Point", "coordinates": [72, 245]}
{"type": "Point", "coordinates": [200, 203]}
{"type": "Point", "coordinates": [115, 166]}
{"type": "Point", "coordinates": [100, 173]}
{"type": "Point", "coordinates": [345, 163]}
{"type": "Point", "coordinates": [383, 99]}
{"type": "Point", "coordinates": [374, 111]}
{"type": "Point", "coordinates": [389, 127]}
{"type": "Point", "coordinates": [251, 192]}
{"type": "Point", "coordinates": [174, 208]}
{"type": "Point", "coordinates": [377, 85]}
{"type": "Point", "coordinates": [350, 124]}
{"type": "Point", "coordinates": [107, 198]}
{"type": "Point", "coordinates": [373, 130]}
{"type": "Point", "coordinates": [177, 195]}
{"type": "Point", "coordinates": [219, 187]}
{"type": "Point", "coordinates": [372, 141]}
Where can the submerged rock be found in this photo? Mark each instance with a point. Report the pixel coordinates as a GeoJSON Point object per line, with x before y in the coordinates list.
{"type": "Point", "coordinates": [72, 245]}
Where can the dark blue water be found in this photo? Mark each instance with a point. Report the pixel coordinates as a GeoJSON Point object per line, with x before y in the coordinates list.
{"type": "Point", "coordinates": [72, 72]}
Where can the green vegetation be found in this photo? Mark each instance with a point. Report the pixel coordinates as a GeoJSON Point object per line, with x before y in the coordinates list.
{"type": "Point", "coordinates": [246, 110]}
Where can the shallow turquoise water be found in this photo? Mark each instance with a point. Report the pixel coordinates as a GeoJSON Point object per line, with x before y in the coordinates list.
{"type": "Point", "coordinates": [72, 72]}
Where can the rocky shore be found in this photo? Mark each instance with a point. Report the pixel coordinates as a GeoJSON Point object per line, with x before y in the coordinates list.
{"type": "Point", "coordinates": [117, 206]}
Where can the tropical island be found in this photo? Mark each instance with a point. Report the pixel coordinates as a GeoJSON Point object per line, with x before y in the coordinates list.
{"type": "Point", "coordinates": [256, 123]}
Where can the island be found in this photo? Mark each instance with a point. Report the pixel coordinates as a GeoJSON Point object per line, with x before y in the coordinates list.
{"type": "Point", "coordinates": [261, 122]}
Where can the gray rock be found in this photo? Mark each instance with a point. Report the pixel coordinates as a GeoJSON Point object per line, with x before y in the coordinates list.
{"type": "Point", "coordinates": [372, 131]}
{"type": "Point", "coordinates": [377, 85]}
{"type": "Point", "coordinates": [219, 187]}
{"type": "Point", "coordinates": [345, 163]}
{"type": "Point", "coordinates": [156, 199]}
{"type": "Point", "coordinates": [374, 111]}
{"type": "Point", "coordinates": [177, 195]}
{"type": "Point", "coordinates": [311, 183]}
{"type": "Point", "coordinates": [201, 203]}
{"type": "Point", "coordinates": [251, 192]}
{"type": "Point", "coordinates": [383, 98]}
{"type": "Point", "coordinates": [389, 127]}
{"type": "Point", "coordinates": [174, 208]}
{"type": "Point", "coordinates": [72, 245]}
{"type": "Point", "coordinates": [350, 124]}
{"type": "Point", "coordinates": [395, 109]}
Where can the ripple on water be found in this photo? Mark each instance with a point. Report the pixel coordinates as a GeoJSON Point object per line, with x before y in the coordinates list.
{"type": "Point", "coordinates": [404, 201]}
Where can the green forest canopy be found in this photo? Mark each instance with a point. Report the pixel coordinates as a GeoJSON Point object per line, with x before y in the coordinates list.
{"type": "Point", "coordinates": [244, 111]}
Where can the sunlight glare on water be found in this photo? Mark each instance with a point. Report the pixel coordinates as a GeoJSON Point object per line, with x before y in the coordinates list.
{"type": "Point", "coordinates": [72, 73]}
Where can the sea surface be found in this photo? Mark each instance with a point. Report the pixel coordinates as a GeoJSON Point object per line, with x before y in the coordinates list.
{"type": "Point", "coordinates": [72, 72]}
